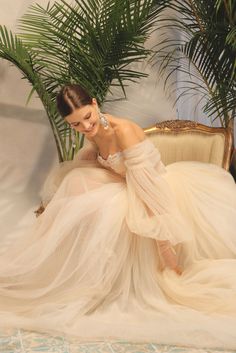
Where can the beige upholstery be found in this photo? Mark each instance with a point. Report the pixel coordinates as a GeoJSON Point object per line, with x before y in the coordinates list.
{"type": "Point", "coordinates": [184, 140]}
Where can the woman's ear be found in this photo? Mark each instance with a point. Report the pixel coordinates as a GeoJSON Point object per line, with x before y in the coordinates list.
{"type": "Point", "coordinates": [94, 101]}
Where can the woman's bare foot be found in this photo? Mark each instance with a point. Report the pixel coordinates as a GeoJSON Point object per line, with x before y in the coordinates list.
{"type": "Point", "coordinates": [178, 270]}
{"type": "Point", "coordinates": [168, 257]}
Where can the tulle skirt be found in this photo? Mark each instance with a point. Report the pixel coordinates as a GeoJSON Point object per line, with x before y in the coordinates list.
{"type": "Point", "coordinates": [79, 270]}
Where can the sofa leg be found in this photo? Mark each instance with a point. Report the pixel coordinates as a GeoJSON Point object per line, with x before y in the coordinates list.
{"type": "Point", "coordinates": [232, 168]}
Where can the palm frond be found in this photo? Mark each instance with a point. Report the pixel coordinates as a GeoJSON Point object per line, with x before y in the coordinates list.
{"type": "Point", "coordinates": [108, 38]}
{"type": "Point", "coordinates": [90, 42]}
{"type": "Point", "coordinates": [206, 32]}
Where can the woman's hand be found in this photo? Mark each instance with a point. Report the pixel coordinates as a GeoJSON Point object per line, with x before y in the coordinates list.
{"type": "Point", "coordinates": [40, 210]}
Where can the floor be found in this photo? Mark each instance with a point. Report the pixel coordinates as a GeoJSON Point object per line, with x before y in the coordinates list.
{"type": "Point", "coordinates": [20, 341]}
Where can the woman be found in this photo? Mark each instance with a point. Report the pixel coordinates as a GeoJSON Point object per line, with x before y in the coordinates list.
{"type": "Point", "coordinates": [126, 247]}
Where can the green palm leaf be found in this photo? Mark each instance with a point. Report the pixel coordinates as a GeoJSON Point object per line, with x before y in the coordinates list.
{"type": "Point", "coordinates": [93, 43]}
{"type": "Point", "coordinates": [207, 32]}
{"type": "Point", "coordinates": [13, 50]}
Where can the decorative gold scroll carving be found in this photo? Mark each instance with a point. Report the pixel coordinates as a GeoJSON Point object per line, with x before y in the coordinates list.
{"type": "Point", "coordinates": [185, 126]}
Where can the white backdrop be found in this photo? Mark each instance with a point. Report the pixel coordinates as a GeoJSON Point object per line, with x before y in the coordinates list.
{"type": "Point", "coordinates": [27, 149]}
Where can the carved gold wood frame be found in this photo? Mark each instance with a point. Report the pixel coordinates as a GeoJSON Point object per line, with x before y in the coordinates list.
{"type": "Point", "coordinates": [185, 126]}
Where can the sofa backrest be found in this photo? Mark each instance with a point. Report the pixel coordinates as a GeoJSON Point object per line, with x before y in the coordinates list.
{"type": "Point", "coordinates": [184, 140]}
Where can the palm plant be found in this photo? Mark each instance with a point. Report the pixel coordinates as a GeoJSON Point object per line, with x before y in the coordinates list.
{"type": "Point", "coordinates": [90, 42]}
{"type": "Point", "coordinates": [204, 49]}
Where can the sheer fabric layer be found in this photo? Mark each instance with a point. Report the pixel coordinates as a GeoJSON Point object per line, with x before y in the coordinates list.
{"type": "Point", "coordinates": [89, 266]}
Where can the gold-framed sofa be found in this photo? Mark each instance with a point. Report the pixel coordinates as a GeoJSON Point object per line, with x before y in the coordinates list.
{"type": "Point", "coordinates": [185, 140]}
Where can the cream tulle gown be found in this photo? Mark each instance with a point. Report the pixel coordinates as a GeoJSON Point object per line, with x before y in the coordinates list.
{"type": "Point", "coordinates": [90, 267]}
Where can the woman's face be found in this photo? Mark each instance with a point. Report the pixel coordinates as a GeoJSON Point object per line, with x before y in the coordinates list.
{"type": "Point", "coordinates": [85, 119]}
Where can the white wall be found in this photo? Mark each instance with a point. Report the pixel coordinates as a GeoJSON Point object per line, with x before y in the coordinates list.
{"type": "Point", "coordinates": [14, 90]}
{"type": "Point", "coordinates": [27, 148]}
{"type": "Point", "coordinates": [146, 101]}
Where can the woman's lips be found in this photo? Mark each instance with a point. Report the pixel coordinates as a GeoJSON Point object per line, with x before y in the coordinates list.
{"type": "Point", "coordinates": [90, 128]}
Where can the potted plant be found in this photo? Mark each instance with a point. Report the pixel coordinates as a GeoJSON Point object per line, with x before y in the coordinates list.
{"type": "Point", "coordinates": [89, 42]}
{"type": "Point", "coordinates": [204, 50]}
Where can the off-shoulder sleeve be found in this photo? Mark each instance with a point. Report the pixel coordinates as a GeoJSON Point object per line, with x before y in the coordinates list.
{"type": "Point", "coordinates": [152, 210]}
{"type": "Point", "coordinates": [86, 157]}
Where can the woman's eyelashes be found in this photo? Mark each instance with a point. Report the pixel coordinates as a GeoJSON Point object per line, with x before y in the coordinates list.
{"type": "Point", "coordinates": [74, 125]}
{"type": "Point", "coordinates": [77, 123]}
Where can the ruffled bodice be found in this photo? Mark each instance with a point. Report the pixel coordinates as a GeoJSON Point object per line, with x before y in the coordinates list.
{"type": "Point", "coordinates": [115, 162]}
{"type": "Point", "coordinates": [144, 150]}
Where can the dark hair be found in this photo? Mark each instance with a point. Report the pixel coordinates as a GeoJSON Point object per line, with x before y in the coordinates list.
{"type": "Point", "coordinates": [70, 97]}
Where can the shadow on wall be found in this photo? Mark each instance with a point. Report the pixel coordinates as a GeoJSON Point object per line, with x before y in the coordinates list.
{"type": "Point", "coordinates": [147, 102]}
{"type": "Point", "coordinates": [27, 153]}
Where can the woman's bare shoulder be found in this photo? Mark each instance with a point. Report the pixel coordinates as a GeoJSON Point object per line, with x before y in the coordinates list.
{"type": "Point", "coordinates": [128, 133]}
{"type": "Point", "coordinates": [123, 125]}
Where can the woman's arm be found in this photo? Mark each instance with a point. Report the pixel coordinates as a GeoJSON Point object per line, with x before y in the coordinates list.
{"type": "Point", "coordinates": [88, 151]}
{"type": "Point", "coordinates": [128, 136]}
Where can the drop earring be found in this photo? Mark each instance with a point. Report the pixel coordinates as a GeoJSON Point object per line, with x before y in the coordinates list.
{"type": "Point", "coordinates": [103, 120]}
{"type": "Point", "coordinates": [73, 137]}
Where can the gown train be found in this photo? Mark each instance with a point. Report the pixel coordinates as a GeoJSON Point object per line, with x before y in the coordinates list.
{"type": "Point", "coordinates": [90, 266]}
